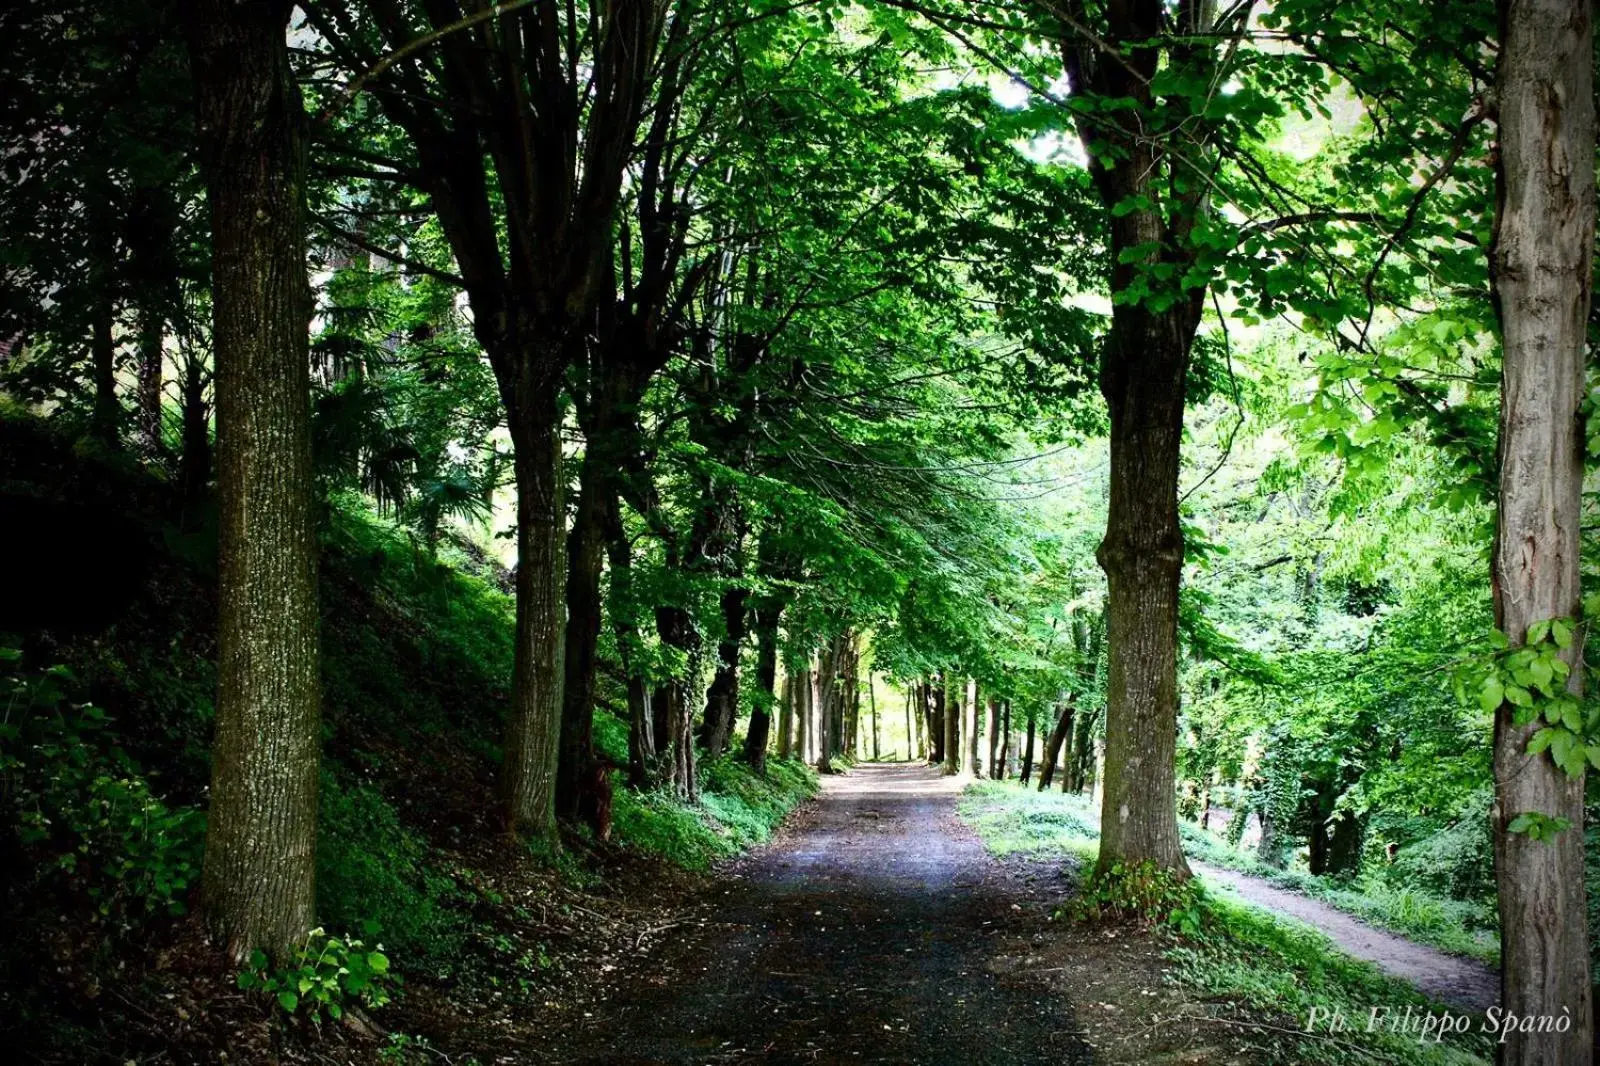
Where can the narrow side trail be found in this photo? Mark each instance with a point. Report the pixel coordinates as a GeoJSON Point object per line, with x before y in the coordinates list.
{"type": "Point", "coordinates": [1459, 982]}
{"type": "Point", "coordinates": [865, 933]}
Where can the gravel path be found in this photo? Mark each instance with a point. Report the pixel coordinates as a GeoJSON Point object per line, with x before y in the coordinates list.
{"type": "Point", "coordinates": [864, 934]}
{"type": "Point", "coordinates": [1451, 979]}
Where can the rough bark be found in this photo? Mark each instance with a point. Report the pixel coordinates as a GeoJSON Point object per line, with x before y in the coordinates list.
{"type": "Point", "coordinates": [1541, 274]}
{"type": "Point", "coordinates": [1142, 376]}
{"type": "Point", "coordinates": [786, 717]}
{"type": "Point", "coordinates": [585, 561]}
{"type": "Point", "coordinates": [152, 342]}
{"type": "Point", "coordinates": [1052, 745]}
{"type": "Point", "coordinates": [259, 875]}
{"type": "Point", "coordinates": [872, 704]}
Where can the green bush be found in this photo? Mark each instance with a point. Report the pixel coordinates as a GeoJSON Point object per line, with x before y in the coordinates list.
{"type": "Point", "coordinates": [325, 975]}
{"type": "Point", "coordinates": [81, 809]}
{"type": "Point", "coordinates": [738, 808]}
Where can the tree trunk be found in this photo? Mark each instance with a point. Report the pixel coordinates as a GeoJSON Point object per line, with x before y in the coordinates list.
{"type": "Point", "coordinates": [533, 731]}
{"type": "Point", "coordinates": [952, 726]}
{"type": "Point", "coordinates": [786, 717]}
{"type": "Point", "coordinates": [802, 715]}
{"type": "Point", "coordinates": [152, 354]}
{"type": "Point", "coordinates": [756, 738]}
{"type": "Point", "coordinates": [722, 699]}
{"type": "Point", "coordinates": [970, 731]}
{"type": "Point", "coordinates": [194, 462]}
{"type": "Point", "coordinates": [1005, 742]}
{"type": "Point", "coordinates": [825, 698]}
{"type": "Point", "coordinates": [994, 740]}
{"type": "Point", "coordinates": [585, 560]}
{"type": "Point", "coordinates": [936, 720]}
{"type": "Point", "coordinates": [1027, 752]}
{"type": "Point", "coordinates": [872, 704]}
{"type": "Point", "coordinates": [1052, 745]}
{"type": "Point", "coordinates": [260, 859]}
{"type": "Point", "coordinates": [1540, 269]}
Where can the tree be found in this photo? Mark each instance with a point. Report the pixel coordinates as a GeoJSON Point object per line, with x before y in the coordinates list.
{"type": "Point", "coordinates": [261, 837]}
{"type": "Point", "coordinates": [1541, 271]}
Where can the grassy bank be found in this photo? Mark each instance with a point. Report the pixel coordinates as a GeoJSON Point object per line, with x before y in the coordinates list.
{"type": "Point", "coordinates": [104, 753]}
{"type": "Point", "coordinates": [1020, 820]}
{"type": "Point", "coordinates": [1254, 973]}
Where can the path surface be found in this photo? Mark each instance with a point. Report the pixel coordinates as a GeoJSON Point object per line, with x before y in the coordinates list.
{"type": "Point", "coordinates": [1459, 982]}
{"type": "Point", "coordinates": [865, 934]}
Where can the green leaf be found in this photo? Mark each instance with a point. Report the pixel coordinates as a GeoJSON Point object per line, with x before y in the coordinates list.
{"type": "Point", "coordinates": [1491, 695]}
{"type": "Point", "coordinates": [1562, 632]}
{"type": "Point", "coordinates": [288, 1000]}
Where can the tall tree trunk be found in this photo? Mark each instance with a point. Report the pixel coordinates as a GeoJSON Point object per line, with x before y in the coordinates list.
{"type": "Point", "coordinates": [970, 731]}
{"type": "Point", "coordinates": [1143, 371]}
{"type": "Point", "coordinates": [802, 715]}
{"type": "Point", "coordinates": [1053, 744]}
{"type": "Point", "coordinates": [994, 740]}
{"type": "Point", "coordinates": [1541, 273]}
{"type": "Point", "coordinates": [1027, 752]}
{"type": "Point", "coordinates": [585, 560]}
{"type": "Point", "coordinates": [756, 738]}
{"type": "Point", "coordinates": [1005, 741]}
{"type": "Point", "coordinates": [1142, 554]}
{"type": "Point", "coordinates": [722, 699]}
{"type": "Point", "coordinates": [786, 717]}
{"type": "Point", "coordinates": [952, 725]}
{"type": "Point", "coordinates": [533, 730]}
{"type": "Point", "coordinates": [825, 698]}
{"type": "Point", "coordinates": [260, 857]}
{"type": "Point", "coordinates": [641, 724]}
{"type": "Point", "coordinates": [872, 702]}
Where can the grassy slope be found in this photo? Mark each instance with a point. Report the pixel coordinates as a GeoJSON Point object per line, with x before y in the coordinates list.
{"type": "Point", "coordinates": [1242, 957]}
{"type": "Point", "coordinates": [1456, 926]}
{"type": "Point", "coordinates": [417, 655]}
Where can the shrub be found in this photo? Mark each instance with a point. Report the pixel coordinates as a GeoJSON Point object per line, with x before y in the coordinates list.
{"type": "Point", "coordinates": [82, 809]}
{"type": "Point", "coordinates": [325, 974]}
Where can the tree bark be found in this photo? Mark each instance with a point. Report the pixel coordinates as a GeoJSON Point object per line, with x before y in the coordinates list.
{"type": "Point", "coordinates": [952, 726]}
{"type": "Point", "coordinates": [107, 414]}
{"type": "Point", "coordinates": [786, 717]}
{"type": "Point", "coordinates": [970, 731]}
{"type": "Point", "coordinates": [994, 740]}
{"type": "Point", "coordinates": [802, 715]}
{"type": "Point", "coordinates": [1540, 269]}
{"type": "Point", "coordinates": [756, 740]}
{"type": "Point", "coordinates": [152, 343]}
{"type": "Point", "coordinates": [1143, 371]}
{"type": "Point", "coordinates": [260, 858]}
{"type": "Point", "coordinates": [722, 700]}
{"type": "Point", "coordinates": [1052, 745]}
{"type": "Point", "coordinates": [826, 694]}
{"type": "Point", "coordinates": [585, 561]}
{"type": "Point", "coordinates": [533, 730]}
{"type": "Point", "coordinates": [1027, 752]}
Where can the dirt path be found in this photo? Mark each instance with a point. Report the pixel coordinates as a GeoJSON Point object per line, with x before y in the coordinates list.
{"type": "Point", "coordinates": [1451, 979]}
{"type": "Point", "coordinates": [866, 933]}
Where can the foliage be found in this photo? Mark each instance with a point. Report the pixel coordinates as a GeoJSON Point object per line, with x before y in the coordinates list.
{"type": "Point", "coordinates": [326, 975]}
{"type": "Point", "coordinates": [739, 808]}
{"type": "Point", "coordinates": [82, 810]}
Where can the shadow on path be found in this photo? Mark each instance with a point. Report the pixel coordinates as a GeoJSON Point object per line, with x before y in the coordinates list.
{"type": "Point", "coordinates": [863, 934]}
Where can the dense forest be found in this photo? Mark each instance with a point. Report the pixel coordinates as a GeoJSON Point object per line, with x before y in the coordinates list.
{"type": "Point", "coordinates": [473, 471]}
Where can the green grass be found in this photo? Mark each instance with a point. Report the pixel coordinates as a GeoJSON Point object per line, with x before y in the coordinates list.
{"type": "Point", "coordinates": [1457, 926]}
{"type": "Point", "coordinates": [738, 809]}
{"type": "Point", "coordinates": [1258, 975]}
{"type": "Point", "coordinates": [1012, 819]}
